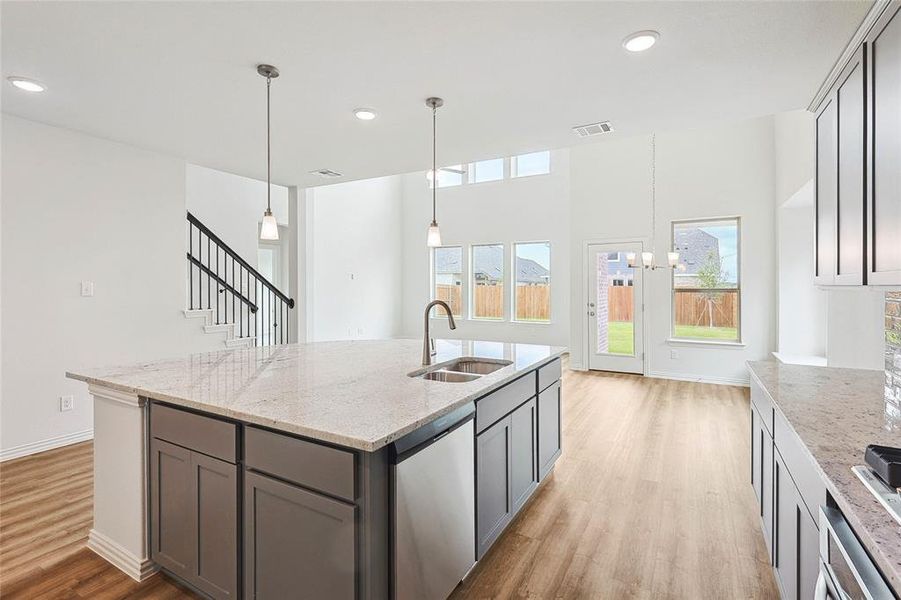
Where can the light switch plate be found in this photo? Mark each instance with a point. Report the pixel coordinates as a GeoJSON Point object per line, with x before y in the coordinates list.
{"type": "Point", "coordinates": [87, 289]}
{"type": "Point", "coordinates": [674, 354]}
{"type": "Point", "coordinates": [66, 403]}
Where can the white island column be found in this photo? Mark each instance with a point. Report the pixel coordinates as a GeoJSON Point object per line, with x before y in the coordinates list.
{"type": "Point", "coordinates": [120, 531]}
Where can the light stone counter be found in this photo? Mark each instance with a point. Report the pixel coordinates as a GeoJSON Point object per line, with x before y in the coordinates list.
{"type": "Point", "coordinates": [355, 394]}
{"type": "Point", "coordinates": [836, 413]}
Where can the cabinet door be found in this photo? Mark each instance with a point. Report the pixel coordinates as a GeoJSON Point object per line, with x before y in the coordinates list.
{"type": "Point", "coordinates": [523, 468]}
{"type": "Point", "coordinates": [216, 501]}
{"type": "Point", "coordinates": [757, 458]}
{"type": "Point", "coordinates": [172, 514]}
{"type": "Point", "coordinates": [493, 506]}
{"type": "Point", "coordinates": [826, 192]}
{"type": "Point", "coordinates": [767, 486]}
{"type": "Point", "coordinates": [808, 553]}
{"type": "Point", "coordinates": [884, 161]}
{"type": "Point", "coordinates": [298, 544]}
{"type": "Point", "coordinates": [549, 428]}
{"type": "Point", "coordinates": [785, 556]}
{"type": "Point", "coordinates": [851, 224]}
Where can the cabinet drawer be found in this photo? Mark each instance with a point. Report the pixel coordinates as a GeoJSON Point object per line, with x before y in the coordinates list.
{"type": "Point", "coordinates": [764, 405]}
{"type": "Point", "coordinates": [309, 464]}
{"type": "Point", "coordinates": [206, 435]}
{"type": "Point", "coordinates": [799, 465]}
{"type": "Point", "coordinates": [548, 374]}
{"type": "Point", "coordinates": [502, 402]}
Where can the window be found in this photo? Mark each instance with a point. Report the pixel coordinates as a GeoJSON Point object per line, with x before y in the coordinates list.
{"type": "Point", "coordinates": [487, 170]}
{"type": "Point", "coordinates": [488, 281]}
{"type": "Point", "coordinates": [532, 297]}
{"type": "Point", "coordinates": [535, 163]}
{"type": "Point", "coordinates": [447, 273]}
{"type": "Point", "coordinates": [447, 176]}
{"type": "Point", "coordinates": [706, 281]}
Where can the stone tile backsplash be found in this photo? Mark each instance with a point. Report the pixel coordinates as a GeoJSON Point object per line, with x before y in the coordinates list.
{"type": "Point", "coordinates": [893, 350]}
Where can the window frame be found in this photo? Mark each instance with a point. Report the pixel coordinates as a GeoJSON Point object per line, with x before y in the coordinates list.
{"type": "Point", "coordinates": [514, 165]}
{"type": "Point", "coordinates": [439, 314]}
{"type": "Point", "coordinates": [471, 170]}
{"type": "Point", "coordinates": [512, 302]}
{"type": "Point", "coordinates": [739, 341]}
{"type": "Point", "coordinates": [472, 284]}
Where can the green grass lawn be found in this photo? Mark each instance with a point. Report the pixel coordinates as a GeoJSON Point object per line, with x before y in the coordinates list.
{"type": "Point", "coordinates": [620, 339]}
{"type": "Point", "coordinates": [714, 333]}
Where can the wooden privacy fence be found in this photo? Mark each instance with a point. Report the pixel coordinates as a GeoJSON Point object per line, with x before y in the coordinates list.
{"type": "Point", "coordinates": [692, 307]}
{"type": "Point", "coordinates": [532, 301]}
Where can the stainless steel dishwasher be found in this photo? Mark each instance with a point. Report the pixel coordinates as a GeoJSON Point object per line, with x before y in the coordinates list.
{"type": "Point", "coordinates": [433, 475]}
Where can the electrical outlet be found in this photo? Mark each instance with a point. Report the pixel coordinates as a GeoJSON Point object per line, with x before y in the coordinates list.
{"type": "Point", "coordinates": [674, 354]}
{"type": "Point", "coordinates": [66, 403]}
{"type": "Point", "coordinates": [87, 289]}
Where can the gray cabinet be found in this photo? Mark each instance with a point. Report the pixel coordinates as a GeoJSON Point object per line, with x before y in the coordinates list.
{"type": "Point", "coordinates": [297, 544]}
{"type": "Point", "coordinates": [826, 191]}
{"type": "Point", "coordinates": [550, 434]}
{"type": "Point", "coordinates": [796, 557]}
{"type": "Point", "coordinates": [194, 524]}
{"type": "Point", "coordinates": [493, 503]}
{"type": "Point", "coordinates": [762, 474]}
{"type": "Point", "coordinates": [523, 456]}
{"type": "Point", "coordinates": [883, 46]}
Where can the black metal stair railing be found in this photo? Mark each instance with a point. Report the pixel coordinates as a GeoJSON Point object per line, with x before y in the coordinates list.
{"type": "Point", "coordinates": [220, 279]}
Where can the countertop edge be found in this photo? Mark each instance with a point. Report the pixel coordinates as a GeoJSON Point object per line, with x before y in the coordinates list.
{"type": "Point", "coordinates": [316, 434]}
{"type": "Point", "coordinates": [886, 566]}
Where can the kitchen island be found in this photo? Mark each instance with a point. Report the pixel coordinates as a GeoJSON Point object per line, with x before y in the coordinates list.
{"type": "Point", "coordinates": [269, 471]}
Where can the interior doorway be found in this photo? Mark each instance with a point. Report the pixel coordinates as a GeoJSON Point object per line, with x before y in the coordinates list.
{"type": "Point", "coordinates": [615, 308]}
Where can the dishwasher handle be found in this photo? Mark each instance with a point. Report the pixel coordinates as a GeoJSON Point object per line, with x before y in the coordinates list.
{"type": "Point", "coordinates": [430, 433]}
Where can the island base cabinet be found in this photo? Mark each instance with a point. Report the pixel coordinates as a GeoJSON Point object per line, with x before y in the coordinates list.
{"type": "Point", "coordinates": [493, 506]}
{"type": "Point", "coordinates": [549, 429]}
{"type": "Point", "coordinates": [762, 475]}
{"type": "Point", "coordinates": [297, 544]}
{"type": "Point", "coordinates": [194, 521]}
{"type": "Point", "coordinates": [523, 468]}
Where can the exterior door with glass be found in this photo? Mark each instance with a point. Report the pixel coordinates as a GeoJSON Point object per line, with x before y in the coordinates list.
{"type": "Point", "coordinates": [614, 306]}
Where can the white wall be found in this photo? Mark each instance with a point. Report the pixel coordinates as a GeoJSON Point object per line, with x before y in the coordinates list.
{"type": "Point", "coordinates": [354, 277]}
{"type": "Point", "coordinates": [74, 208]}
{"type": "Point", "coordinates": [722, 170]}
{"type": "Point", "coordinates": [512, 210]}
{"type": "Point", "coordinates": [232, 206]}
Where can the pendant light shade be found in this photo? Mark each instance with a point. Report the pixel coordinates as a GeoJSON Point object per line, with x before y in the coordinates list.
{"type": "Point", "coordinates": [269, 226]}
{"type": "Point", "coordinates": [433, 239]}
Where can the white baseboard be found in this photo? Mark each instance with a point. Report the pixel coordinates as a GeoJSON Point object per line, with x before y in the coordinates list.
{"type": "Point", "coordinates": [744, 382]}
{"type": "Point", "coordinates": [48, 444]}
{"type": "Point", "coordinates": [135, 567]}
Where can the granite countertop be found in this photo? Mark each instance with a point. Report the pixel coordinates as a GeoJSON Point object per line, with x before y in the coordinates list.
{"type": "Point", "coordinates": [355, 394]}
{"type": "Point", "coordinates": [836, 413]}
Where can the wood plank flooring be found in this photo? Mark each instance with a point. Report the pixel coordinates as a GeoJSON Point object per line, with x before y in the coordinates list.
{"type": "Point", "coordinates": [651, 499]}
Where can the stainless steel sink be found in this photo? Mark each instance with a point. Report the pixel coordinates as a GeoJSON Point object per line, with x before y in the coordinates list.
{"type": "Point", "coordinates": [449, 376]}
{"type": "Point", "coordinates": [480, 366]}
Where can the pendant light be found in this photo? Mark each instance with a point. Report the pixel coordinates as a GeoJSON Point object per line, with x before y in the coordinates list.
{"type": "Point", "coordinates": [269, 226]}
{"type": "Point", "coordinates": [433, 240]}
{"type": "Point", "coordinates": [647, 258]}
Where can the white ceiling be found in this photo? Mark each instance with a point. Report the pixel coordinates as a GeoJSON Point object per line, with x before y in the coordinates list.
{"type": "Point", "coordinates": [180, 78]}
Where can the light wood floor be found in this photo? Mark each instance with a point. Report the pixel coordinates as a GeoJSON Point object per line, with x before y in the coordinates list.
{"type": "Point", "coordinates": [651, 499]}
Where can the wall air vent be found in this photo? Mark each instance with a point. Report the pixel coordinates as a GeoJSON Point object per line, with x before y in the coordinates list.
{"type": "Point", "coordinates": [326, 173]}
{"type": "Point", "coordinates": [593, 129]}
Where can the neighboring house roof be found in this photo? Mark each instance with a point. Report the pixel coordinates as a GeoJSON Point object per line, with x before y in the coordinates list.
{"type": "Point", "coordinates": [694, 247]}
{"type": "Point", "coordinates": [489, 264]}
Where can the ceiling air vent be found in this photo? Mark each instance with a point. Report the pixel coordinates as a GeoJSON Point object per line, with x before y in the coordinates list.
{"type": "Point", "coordinates": [593, 129]}
{"type": "Point", "coordinates": [326, 173]}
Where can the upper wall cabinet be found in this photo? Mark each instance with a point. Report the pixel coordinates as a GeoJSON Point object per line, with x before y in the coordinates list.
{"type": "Point", "coordinates": [840, 181]}
{"type": "Point", "coordinates": [883, 46]}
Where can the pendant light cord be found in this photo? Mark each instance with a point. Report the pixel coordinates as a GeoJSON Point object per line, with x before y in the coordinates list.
{"type": "Point", "coordinates": [434, 163]}
{"type": "Point", "coordinates": [268, 151]}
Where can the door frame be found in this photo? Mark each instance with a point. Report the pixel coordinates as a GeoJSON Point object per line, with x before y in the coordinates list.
{"type": "Point", "coordinates": [583, 321]}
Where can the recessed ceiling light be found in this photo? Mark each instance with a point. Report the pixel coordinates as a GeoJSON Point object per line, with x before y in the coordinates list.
{"type": "Point", "coordinates": [365, 114]}
{"type": "Point", "coordinates": [29, 85]}
{"type": "Point", "coordinates": [640, 41]}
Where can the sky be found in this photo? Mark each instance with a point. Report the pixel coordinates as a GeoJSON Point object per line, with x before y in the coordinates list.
{"type": "Point", "coordinates": [540, 253]}
{"type": "Point", "coordinates": [728, 238]}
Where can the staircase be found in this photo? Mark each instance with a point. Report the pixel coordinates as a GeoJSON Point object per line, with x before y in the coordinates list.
{"type": "Point", "coordinates": [231, 296]}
